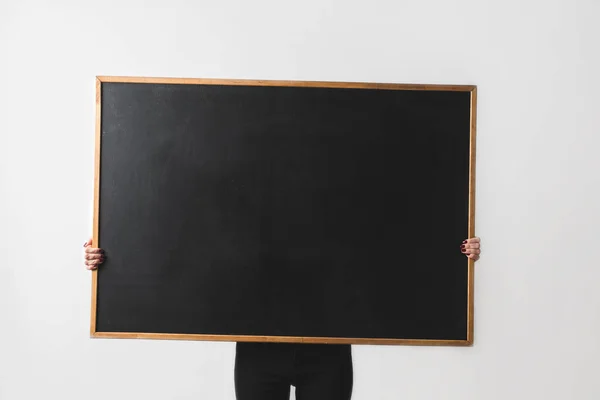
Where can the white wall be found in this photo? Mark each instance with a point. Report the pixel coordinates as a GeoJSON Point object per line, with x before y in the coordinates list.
{"type": "Point", "coordinates": [536, 64]}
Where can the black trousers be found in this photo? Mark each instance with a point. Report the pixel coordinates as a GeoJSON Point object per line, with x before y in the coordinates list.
{"type": "Point", "coordinates": [265, 371]}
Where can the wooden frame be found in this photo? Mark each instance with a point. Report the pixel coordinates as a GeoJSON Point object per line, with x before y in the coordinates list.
{"type": "Point", "coordinates": [340, 85]}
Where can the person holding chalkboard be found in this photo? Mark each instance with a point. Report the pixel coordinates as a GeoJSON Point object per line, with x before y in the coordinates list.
{"type": "Point", "coordinates": [266, 371]}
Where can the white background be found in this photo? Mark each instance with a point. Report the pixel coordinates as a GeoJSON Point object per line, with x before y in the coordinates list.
{"type": "Point", "coordinates": [537, 67]}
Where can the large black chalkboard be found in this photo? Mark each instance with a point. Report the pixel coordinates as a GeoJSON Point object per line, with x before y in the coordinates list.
{"type": "Point", "coordinates": [284, 211]}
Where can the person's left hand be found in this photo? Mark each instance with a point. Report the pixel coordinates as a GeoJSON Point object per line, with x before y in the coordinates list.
{"type": "Point", "coordinates": [471, 248]}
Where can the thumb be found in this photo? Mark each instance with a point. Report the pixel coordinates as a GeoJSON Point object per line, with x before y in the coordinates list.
{"type": "Point", "coordinates": [88, 243]}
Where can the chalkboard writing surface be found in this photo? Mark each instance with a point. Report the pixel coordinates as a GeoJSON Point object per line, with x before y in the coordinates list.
{"type": "Point", "coordinates": [284, 211]}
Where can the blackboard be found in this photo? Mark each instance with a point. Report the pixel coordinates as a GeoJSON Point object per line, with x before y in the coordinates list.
{"type": "Point", "coordinates": [319, 212]}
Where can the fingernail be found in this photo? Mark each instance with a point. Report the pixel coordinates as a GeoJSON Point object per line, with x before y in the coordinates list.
{"type": "Point", "coordinates": [464, 241]}
{"type": "Point", "coordinates": [85, 244]}
{"type": "Point", "coordinates": [462, 247]}
{"type": "Point", "coordinates": [464, 250]}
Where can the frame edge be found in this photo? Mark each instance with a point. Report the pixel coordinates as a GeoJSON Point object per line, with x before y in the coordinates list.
{"type": "Point", "coordinates": [471, 228]}
{"type": "Point", "coordinates": [95, 233]}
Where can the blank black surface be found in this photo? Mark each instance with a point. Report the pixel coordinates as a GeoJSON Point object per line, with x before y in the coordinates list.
{"type": "Point", "coordinates": [283, 211]}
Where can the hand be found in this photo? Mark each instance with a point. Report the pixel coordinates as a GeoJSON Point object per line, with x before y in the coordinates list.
{"type": "Point", "coordinates": [471, 248]}
{"type": "Point", "coordinates": [93, 256]}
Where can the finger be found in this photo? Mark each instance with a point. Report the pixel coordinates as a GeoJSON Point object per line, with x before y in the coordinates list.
{"type": "Point", "coordinates": [471, 243]}
{"type": "Point", "coordinates": [93, 262]}
{"type": "Point", "coordinates": [88, 243]}
{"type": "Point", "coordinates": [467, 252]}
{"type": "Point", "coordinates": [93, 256]}
{"type": "Point", "coordinates": [472, 251]}
{"type": "Point", "coordinates": [474, 257]}
{"type": "Point", "coordinates": [94, 250]}
{"type": "Point", "coordinates": [91, 267]}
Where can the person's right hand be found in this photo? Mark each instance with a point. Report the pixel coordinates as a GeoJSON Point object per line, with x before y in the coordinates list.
{"type": "Point", "coordinates": [93, 256]}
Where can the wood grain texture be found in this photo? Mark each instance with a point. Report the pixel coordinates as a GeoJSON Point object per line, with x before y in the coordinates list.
{"type": "Point", "coordinates": [320, 84]}
{"type": "Point", "coordinates": [285, 83]}
{"type": "Point", "coordinates": [471, 263]}
{"type": "Point", "coordinates": [279, 339]}
{"type": "Point", "coordinates": [95, 236]}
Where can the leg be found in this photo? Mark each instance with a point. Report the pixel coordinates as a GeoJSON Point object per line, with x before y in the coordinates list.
{"type": "Point", "coordinates": [260, 372]}
{"type": "Point", "coordinates": [324, 372]}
